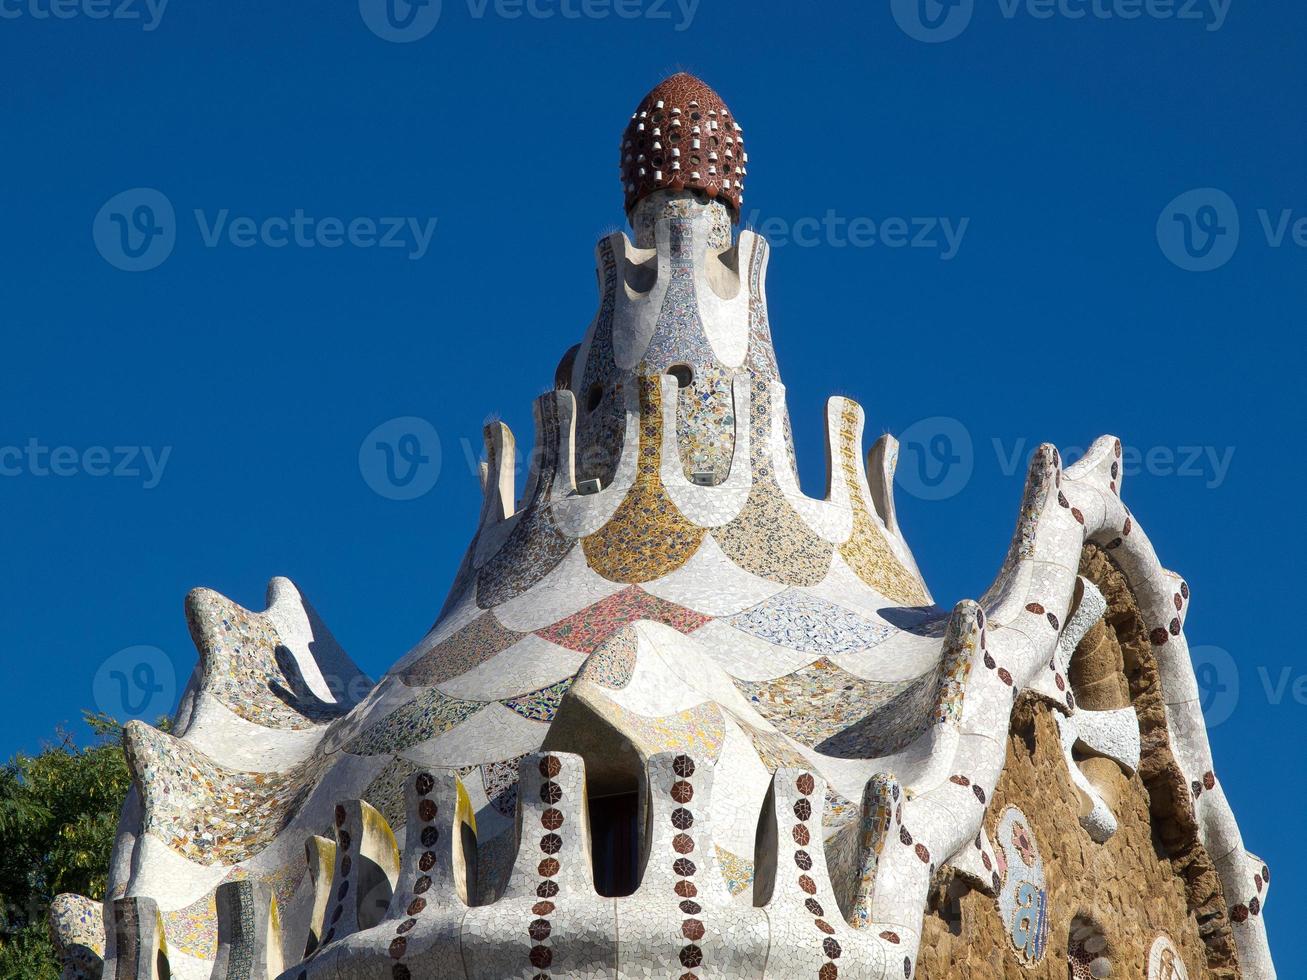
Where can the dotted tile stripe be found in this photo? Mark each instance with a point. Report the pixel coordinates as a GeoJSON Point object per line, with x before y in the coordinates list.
{"type": "Point", "coordinates": [540, 955]}
{"type": "Point", "coordinates": [684, 868]}
{"type": "Point", "coordinates": [803, 836]}
{"type": "Point", "coordinates": [428, 834]}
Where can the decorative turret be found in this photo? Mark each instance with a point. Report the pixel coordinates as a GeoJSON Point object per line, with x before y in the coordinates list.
{"type": "Point", "coordinates": [677, 718]}
{"type": "Point", "coordinates": [683, 137]}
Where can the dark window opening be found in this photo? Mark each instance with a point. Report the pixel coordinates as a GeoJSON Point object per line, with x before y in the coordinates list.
{"type": "Point", "coordinates": [615, 844]}
{"type": "Point", "coordinates": [683, 374]}
{"type": "Point", "coordinates": [595, 396]}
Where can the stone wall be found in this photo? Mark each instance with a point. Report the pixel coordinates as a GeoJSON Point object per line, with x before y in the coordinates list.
{"type": "Point", "coordinates": [1152, 878]}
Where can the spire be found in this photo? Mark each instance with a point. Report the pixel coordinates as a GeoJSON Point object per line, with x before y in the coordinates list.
{"type": "Point", "coordinates": [682, 137]}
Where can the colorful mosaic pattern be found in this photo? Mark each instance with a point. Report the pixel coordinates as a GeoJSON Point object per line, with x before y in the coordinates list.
{"type": "Point", "coordinates": [544, 919]}
{"type": "Point", "coordinates": [882, 810]}
{"type": "Point", "coordinates": [701, 729]}
{"type": "Point", "coordinates": [535, 546]}
{"type": "Point", "coordinates": [966, 634]}
{"type": "Point", "coordinates": [773, 750]}
{"type": "Point", "coordinates": [613, 664]}
{"type": "Point", "coordinates": [647, 537]}
{"type": "Point", "coordinates": [800, 621]}
{"type": "Point", "coordinates": [737, 872]}
{"type": "Point", "coordinates": [499, 780]}
{"type": "Point", "coordinates": [826, 708]}
{"type": "Point", "coordinates": [1023, 902]}
{"type": "Point", "coordinates": [867, 551]}
{"type": "Point", "coordinates": [77, 930]}
{"type": "Point", "coordinates": [469, 647]}
{"type": "Point", "coordinates": [539, 705]}
{"type": "Point", "coordinates": [767, 537]}
{"type": "Point", "coordinates": [680, 204]}
{"type": "Point", "coordinates": [205, 812]}
{"type": "Point", "coordinates": [426, 716]}
{"type": "Point", "coordinates": [589, 629]}
{"type": "Point", "coordinates": [386, 791]}
{"type": "Point", "coordinates": [761, 357]}
{"type": "Point", "coordinates": [601, 423]}
{"type": "Point", "coordinates": [705, 413]}
{"type": "Point", "coordinates": [239, 660]}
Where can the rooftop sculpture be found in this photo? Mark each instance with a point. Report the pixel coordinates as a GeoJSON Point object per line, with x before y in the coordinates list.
{"type": "Point", "coordinates": [677, 719]}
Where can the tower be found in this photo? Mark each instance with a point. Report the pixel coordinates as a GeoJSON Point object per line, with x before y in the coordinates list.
{"type": "Point", "coordinates": [678, 718]}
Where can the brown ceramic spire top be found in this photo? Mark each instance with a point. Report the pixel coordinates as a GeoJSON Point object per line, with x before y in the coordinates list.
{"type": "Point", "coordinates": [684, 137]}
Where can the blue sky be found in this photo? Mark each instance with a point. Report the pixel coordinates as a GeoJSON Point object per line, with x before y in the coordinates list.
{"type": "Point", "coordinates": [1064, 283]}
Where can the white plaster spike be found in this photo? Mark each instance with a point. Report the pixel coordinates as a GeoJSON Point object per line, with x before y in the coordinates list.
{"type": "Point", "coordinates": [441, 844]}
{"type": "Point", "coordinates": [366, 870]}
{"type": "Point", "coordinates": [138, 947]}
{"type": "Point", "coordinates": [501, 465]}
{"type": "Point", "coordinates": [1180, 594]}
{"type": "Point", "coordinates": [832, 516]}
{"type": "Point", "coordinates": [880, 823]}
{"type": "Point", "coordinates": [792, 884]}
{"type": "Point", "coordinates": [1046, 538]}
{"type": "Point", "coordinates": [1089, 608]}
{"type": "Point", "coordinates": [553, 863]}
{"type": "Point", "coordinates": [249, 931]}
{"type": "Point", "coordinates": [327, 671]}
{"type": "Point", "coordinates": [1112, 734]}
{"type": "Point", "coordinates": [681, 864]}
{"type": "Point", "coordinates": [248, 670]}
{"type": "Point", "coordinates": [1100, 465]}
{"type": "Point", "coordinates": [552, 474]}
{"type": "Point", "coordinates": [320, 856]}
{"type": "Point", "coordinates": [434, 887]}
{"type": "Point", "coordinates": [1100, 823]}
{"type": "Point", "coordinates": [882, 460]}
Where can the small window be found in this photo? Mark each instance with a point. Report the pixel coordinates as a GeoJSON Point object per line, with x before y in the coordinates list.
{"type": "Point", "coordinates": [615, 844]}
{"type": "Point", "coordinates": [594, 396]}
{"type": "Point", "coordinates": [683, 373]}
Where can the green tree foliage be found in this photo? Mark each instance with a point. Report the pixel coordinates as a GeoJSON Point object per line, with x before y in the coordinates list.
{"type": "Point", "coordinates": [58, 816]}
